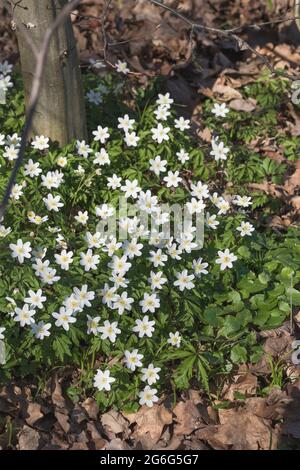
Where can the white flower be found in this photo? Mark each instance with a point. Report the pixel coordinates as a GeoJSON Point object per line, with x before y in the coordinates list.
{"type": "Point", "coordinates": [21, 250]}
{"type": "Point", "coordinates": [245, 229]}
{"type": "Point", "coordinates": [92, 325]}
{"type": "Point", "coordinates": [144, 327]}
{"type": "Point", "coordinates": [150, 374]}
{"type": "Point", "coordinates": [219, 151]}
{"type": "Point", "coordinates": [157, 165]}
{"type": "Point", "coordinates": [41, 329]}
{"type": "Point", "coordinates": [49, 276]}
{"type": "Point", "coordinates": [2, 329]}
{"type": "Point", "coordinates": [132, 248]}
{"type": "Point", "coordinates": [2, 140]}
{"type": "Point", "coordinates": [5, 68]}
{"type": "Point", "coordinates": [164, 100]}
{"type": "Point", "coordinates": [147, 202]}
{"type": "Point", "coordinates": [94, 240]}
{"type": "Point", "coordinates": [64, 259]}
{"type": "Point", "coordinates": [211, 221]}
{"type": "Point", "coordinates": [133, 359]}
{"type": "Point", "coordinates": [101, 158]}
{"type": "Point", "coordinates": [114, 181]}
{"type": "Point", "coordinates": [184, 280]}
{"type": "Point", "coordinates": [174, 339]}
{"type": "Point", "coordinates": [157, 280]}
{"type": "Point", "coordinates": [182, 124]}
{"type": "Point", "coordinates": [64, 318]}
{"type": "Point", "coordinates": [186, 243]}
{"type": "Point", "coordinates": [32, 169]}
{"type": "Point", "coordinates": [148, 396]}
{"type": "Point", "coordinates": [36, 299]}
{"type": "Point", "coordinates": [4, 231]}
{"type": "Point", "coordinates": [242, 201]}
{"type": "Point", "coordinates": [123, 303]}
{"type": "Point", "coordinates": [82, 217]}
{"type": "Point", "coordinates": [160, 133]}
{"type": "Point", "coordinates": [13, 139]}
{"type": "Point", "coordinates": [174, 251]}
{"type": "Point", "coordinates": [102, 380]}
{"type": "Point", "coordinates": [119, 280]}
{"type": "Point", "coordinates": [121, 67]}
{"type": "Point", "coordinates": [89, 260]}
{"type": "Point", "coordinates": [131, 139]}
{"type": "Point", "coordinates": [40, 143]}
{"type": "Point", "coordinates": [112, 246]}
{"type": "Point", "coordinates": [94, 97]}
{"type": "Point", "coordinates": [40, 266]}
{"type": "Point", "coordinates": [225, 259]}
{"type": "Point", "coordinates": [24, 316]}
{"type": "Point", "coordinates": [158, 258]}
{"type": "Point", "coordinates": [162, 113]}
{"type": "Point", "coordinates": [200, 190]}
{"type": "Point", "coordinates": [97, 64]}
{"type": "Point", "coordinates": [53, 203]}
{"type": "Point", "coordinates": [220, 110]}
{"type": "Point", "coordinates": [16, 191]}
{"type": "Point", "coordinates": [223, 206]}
{"type": "Point", "coordinates": [5, 83]}
{"type": "Point", "coordinates": [105, 211]}
{"type": "Point", "coordinates": [183, 156]}
{"type": "Point", "coordinates": [199, 267]}
{"type": "Point", "coordinates": [109, 295]}
{"type": "Point", "coordinates": [84, 296]}
{"type": "Point", "coordinates": [11, 153]}
{"type": "Point", "coordinates": [102, 134]}
{"type": "Point", "coordinates": [109, 330]}
{"type": "Point", "coordinates": [172, 179]}
{"type": "Point", "coordinates": [83, 149]}
{"type": "Point", "coordinates": [195, 206]}
{"type": "Point", "coordinates": [131, 189]}
{"type": "Point", "coordinates": [125, 123]}
{"type": "Point", "coordinates": [53, 179]}
{"type": "Point", "coordinates": [72, 303]}
{"type": "Point", "coordinates": [119, 265]}
{"type": "Point", "coordinates": [79, 170]}
{"type": "Point", "coordinates": [149, 303]}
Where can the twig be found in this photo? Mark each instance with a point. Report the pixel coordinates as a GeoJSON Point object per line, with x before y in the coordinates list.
{"type": "Point", "coordinates": [230, 33]}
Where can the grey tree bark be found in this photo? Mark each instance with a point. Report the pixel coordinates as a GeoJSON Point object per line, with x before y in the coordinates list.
{"type": "Point", "coordinates": [60, 113]}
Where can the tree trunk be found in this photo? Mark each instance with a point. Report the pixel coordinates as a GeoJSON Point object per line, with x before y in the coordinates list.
{"type": "Point", "coordinates": [60, 113]}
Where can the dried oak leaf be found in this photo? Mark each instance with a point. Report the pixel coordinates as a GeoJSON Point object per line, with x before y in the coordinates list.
{"type": "Point", "coordinates": [245, 384]}
{"type": "Point", "coordinates": [91, 408]}
{"type": "Point", "coordinates": [150, 420]}
{"type": "Point", "coordinates": [226, 92]}
{"type": "Point", "coordinates": [32, 413]}
{"type": "Point", "coordinates": [245, 105]}
{"type": "Point", "coordinates": [188, 418]}
{"type": "Point", "coordinates": [63, 420]}
{"type": "Point", "coordinates": [57, 396]}
{"type": "Point", "coordinates": [114, 423]}
{"type": "Point", "coordinates": [240, 429]}
{"type": "Point", "coordinates": [117, 444]}
{"type": "Point", "coordinates": [29, 439]}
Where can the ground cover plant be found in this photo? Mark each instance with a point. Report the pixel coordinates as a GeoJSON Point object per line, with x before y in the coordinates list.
{"type": "Point", "coordinates": [147, 315]}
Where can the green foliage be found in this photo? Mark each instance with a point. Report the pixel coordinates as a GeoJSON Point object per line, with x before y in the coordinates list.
{"type": "Point", "coordinates": [219, 319]}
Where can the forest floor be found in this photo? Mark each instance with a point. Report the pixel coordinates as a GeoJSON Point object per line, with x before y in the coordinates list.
{"type": "Point", "coordinates": [155, 42]}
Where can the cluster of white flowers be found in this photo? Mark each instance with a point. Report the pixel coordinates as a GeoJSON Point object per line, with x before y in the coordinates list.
{"type": "Point", "coordinates": [121, 255]}
{"type": "Point", "coordinates": [5, 79]}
